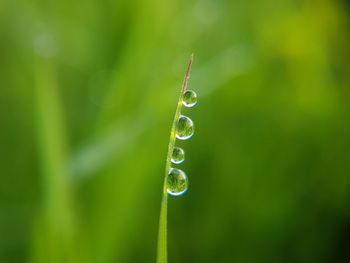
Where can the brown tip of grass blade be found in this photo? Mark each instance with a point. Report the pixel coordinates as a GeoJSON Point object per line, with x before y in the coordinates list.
{"type": "Point", "coordinates": [187, 75]}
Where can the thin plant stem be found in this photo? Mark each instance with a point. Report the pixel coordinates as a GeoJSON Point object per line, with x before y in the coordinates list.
{"type": "Point", "coordinates": [162, 234]}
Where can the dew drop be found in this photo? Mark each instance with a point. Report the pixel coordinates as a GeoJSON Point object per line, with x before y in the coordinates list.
{"type": "Point", "coordinates": [184, 128]}
{"type": "Point", "coordinates": [178, 155]}
{"type": "Point", "coordinates": [189, 98]}
{"type": "Point", "coordinates": [177, 182]}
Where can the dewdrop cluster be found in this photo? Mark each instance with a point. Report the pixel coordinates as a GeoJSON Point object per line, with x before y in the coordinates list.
{"type": "Point", "coordinates": [177, 181]}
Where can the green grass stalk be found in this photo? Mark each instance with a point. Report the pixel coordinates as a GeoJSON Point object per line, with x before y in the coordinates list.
{"type": "Point", "coordinates": [162, 256]}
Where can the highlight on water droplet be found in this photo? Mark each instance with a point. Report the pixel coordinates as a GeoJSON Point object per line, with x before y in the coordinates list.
{"type": "Point", "coordinates": [184, 128]}
{"type": "Point", "coordinates": [189, 98]}
{"type": "Point", "coordinates": [178, 155]}
{"type": "Point", "coordinates": [177, 182]}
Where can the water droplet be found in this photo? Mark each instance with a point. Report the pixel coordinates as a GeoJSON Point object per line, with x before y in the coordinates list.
{"type": "Point", "coordinates": [184, 128]}
{"type": "Point", "coordinates": [178, 155]}
{"type": "Point", "coordinates": [177, 182]}
{"type": "Point", "coordinates": [189, 98]}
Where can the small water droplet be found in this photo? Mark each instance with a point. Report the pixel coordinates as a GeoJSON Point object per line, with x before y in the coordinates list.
{"type": "Point", "coordinates": [189, 98]}
{"type": "Point", "coordinates": [178, 155]}
{"type": "Point", "coordinates": [177, 182]}
{"type": "Point", "coordinates": [184, 128]}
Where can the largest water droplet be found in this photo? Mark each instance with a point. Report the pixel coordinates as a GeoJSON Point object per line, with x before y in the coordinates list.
{"type": "Point", "coordinates": [177, 182]}
{"type": "Point", "coordinates": [189, 98]}
{"type": "Point", "coordinates": [184, 128]}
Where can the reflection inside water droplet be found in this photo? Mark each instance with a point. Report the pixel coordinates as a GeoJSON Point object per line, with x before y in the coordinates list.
{"type": "Point", "coordinates": [178, 155]}
{"type": "Point", "coordinates": [184, 128]}
{"type": "Point", "coordinates": [189, 98]}
{"type": "Point", "coordinates": [177, 182]}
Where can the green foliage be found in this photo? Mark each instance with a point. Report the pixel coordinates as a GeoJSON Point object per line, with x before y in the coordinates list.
{"type": "Point", "coordinates": [87, 90]}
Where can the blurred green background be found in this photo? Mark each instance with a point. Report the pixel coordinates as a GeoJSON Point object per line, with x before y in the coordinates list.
{"type": "Point", "coordinates": [88, 90]}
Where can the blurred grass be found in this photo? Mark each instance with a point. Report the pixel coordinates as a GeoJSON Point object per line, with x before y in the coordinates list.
{"type": "Point", "coordinates": [86, 95]}
{"type": "Point", "coordinates": [55, 232]}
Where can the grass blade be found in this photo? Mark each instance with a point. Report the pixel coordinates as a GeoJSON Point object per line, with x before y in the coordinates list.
{"type": "Point", "coordinates": [162, 256]}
